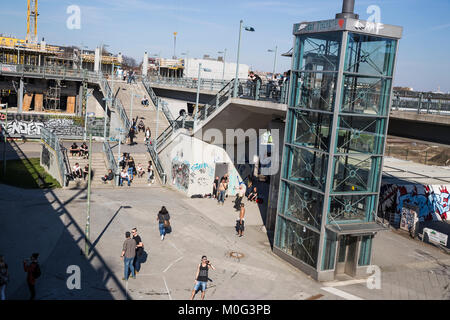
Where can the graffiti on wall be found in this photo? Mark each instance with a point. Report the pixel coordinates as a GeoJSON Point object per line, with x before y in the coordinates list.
{"type": "Point", "coordinates": [180, 174]}
{"type": "Point", "coordinates": [30, 125]}
{"type": "Point", "coordinates": [432, 201]}
{"type": "Point", "coordinates": [201, 174]}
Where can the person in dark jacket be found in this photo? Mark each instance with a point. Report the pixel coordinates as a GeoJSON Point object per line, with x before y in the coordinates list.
{"type": "Point", "coordinates": [108, 177]}
{"type": "Point", "coordinates": [33, 271]}
{"type": "Point", "coordinates": [163, 220]}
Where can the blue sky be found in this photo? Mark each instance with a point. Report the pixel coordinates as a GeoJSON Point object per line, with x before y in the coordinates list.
{"type": "Point", "coordinates": [208, 26]}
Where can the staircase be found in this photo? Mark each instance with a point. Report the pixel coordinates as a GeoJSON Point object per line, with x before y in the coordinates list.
{"type": "Point", "coordinates": [126, 93]}
{"type": "Point", "coordinates": [99, 169]}
{"type": "Point", "coordinates": [141, 158]}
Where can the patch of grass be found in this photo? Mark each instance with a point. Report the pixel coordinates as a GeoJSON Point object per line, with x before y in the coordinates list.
{"type": "Point", "coordinates": [28, 174]}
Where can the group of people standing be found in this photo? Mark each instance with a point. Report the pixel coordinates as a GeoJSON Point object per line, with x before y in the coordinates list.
{"type": "Point", "coordinates": [30, 266]}
{"type": "Point", "coordinates": [135, 128]}
{"type": "Point", "coordinates": [133, 253]}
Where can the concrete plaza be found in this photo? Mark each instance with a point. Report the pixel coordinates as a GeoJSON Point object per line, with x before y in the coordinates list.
{"type": "Point", "coordinates": [53, 223]}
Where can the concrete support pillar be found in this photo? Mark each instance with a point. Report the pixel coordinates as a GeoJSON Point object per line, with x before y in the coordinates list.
{"type": "Point", "coordinates": [97, 60]}
{"type": "Point", "coordinates": [80, 100]}
{"type": "Point", "coordinates": [145, 65]}
{"type": "Point", "coordinates": [20, 97]}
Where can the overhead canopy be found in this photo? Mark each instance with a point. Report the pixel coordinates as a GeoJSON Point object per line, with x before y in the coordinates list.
{"type": "Point", "coordinates": [367, 228]}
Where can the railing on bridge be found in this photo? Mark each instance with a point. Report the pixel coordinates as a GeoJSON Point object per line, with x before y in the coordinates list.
{"type": "Point", "coordinates": [43, 71]}
{"type": "Point", "coordinates": [53, 142]}
{"type": "Point", "coordinates": [111, 161]}
{"type": "Point", "coordinates": [421, 102]}
{"type": "Point", "coordinates": [191, 83]}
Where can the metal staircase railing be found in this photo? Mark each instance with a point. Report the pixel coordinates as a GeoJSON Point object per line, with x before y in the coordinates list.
{"type": "Point", "coordinates": [53, 142]}
{"type": "Point", "coordinates": [154, 155]}
{"type": "Point", "coordinates": [116, 103]}
{"type": "Point", "coordinates": [112, 164]}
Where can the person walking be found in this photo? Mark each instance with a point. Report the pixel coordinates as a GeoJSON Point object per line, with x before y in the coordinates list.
{"type": "Point", "coordinates": [163, 221]}
{"type": "Point", "coordinates": [4, 277]}
{"type": "Point", "coordinates": [240, 196]}
{"type": "Point", "coordinates": [215, 187]}
{"type": "Point", "coordinates": [131, 135]}
{"type": "Point", "coordinates": [148, 135]}
{"type": "Point", "coordinates": [240, 225]}
{"type": "Point", "coordinates": [222, 188]}
{"type": "Point", "coordinates": [139, 247]}
{"type": "Point", "coordinates": [201, 278]}
{"type": "Point", "coordinates": [150, 173]}
{"type": "Point", "coordinates": [128, 254]}
{"type": "Point", "coordinates": [31, 267]}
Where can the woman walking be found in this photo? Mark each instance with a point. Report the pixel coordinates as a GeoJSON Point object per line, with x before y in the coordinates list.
{"type": "Point", "coordinates": [148, 135]}
{"type": "Point", "coordinates": [163, 219]}
{"type": "Point", "coordinates": [4, 278]}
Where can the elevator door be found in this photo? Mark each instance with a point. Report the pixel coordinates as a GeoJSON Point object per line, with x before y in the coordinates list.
{"type": "Point", "coordinates": [346, 260]}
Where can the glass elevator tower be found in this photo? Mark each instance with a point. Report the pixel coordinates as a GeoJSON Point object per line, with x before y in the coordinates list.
{"type": "Point", "coordinates": [336, 127]}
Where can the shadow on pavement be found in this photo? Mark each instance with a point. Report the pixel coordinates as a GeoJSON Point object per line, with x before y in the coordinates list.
{"type": "Point", "coordinates": [37, 220]}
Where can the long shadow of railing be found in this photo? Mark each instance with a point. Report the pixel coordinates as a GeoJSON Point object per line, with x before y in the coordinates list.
{"type": "Point", "coordinates": [62, 211]}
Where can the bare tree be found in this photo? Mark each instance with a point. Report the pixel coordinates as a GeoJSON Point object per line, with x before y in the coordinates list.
{"type": "Point", "coordinates": [129, 62]}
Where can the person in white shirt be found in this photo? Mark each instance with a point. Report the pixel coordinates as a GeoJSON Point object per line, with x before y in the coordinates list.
{"type": "Point", "coordinates": [140, 170]}
{"type": "Point", "coordinates": [77, 171]}
{"type": "Point", "coordinates": [124, 176]}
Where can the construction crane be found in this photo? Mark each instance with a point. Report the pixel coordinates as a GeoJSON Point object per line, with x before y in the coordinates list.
{"type": "Point", "coordinates": [32, 14]}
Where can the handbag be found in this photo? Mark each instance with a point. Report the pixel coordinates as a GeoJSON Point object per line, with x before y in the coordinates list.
{"type": "Point", "coordinates": [166, 223]}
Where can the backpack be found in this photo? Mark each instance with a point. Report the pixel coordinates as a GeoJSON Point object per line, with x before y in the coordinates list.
{"type": "Point", "coordinates": [37, 271]}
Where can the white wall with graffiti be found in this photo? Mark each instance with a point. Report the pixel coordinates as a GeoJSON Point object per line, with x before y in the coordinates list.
{"type": "Point", "coordinates": [30, 125]}
{"type": "Point", "coordinates": [190, 165]}
{"type": "Point", "coordinates": [432, 201]}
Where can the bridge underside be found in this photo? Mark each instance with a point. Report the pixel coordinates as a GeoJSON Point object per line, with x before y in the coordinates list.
{"type": "Point", "coordinates": [426, 131]}
{"type": "Point", "coordinates": [243, 114]}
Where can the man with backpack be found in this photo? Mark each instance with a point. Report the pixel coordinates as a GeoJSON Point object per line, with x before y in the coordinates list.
{"type": "Point", "coordinates": [33, 272]}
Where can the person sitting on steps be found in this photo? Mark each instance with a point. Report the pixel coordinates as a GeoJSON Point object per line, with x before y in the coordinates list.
{"type": "Point", "coordinates": [74, 149]}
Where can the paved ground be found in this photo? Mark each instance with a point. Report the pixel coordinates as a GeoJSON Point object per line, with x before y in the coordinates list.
{"type": "Point", "coordinates": [52, 223]}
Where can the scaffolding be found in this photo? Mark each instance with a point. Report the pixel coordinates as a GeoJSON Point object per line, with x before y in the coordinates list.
{"type": "Point", "coordinates": [53, 96]}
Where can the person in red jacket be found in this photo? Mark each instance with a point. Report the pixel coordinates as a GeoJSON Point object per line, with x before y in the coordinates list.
{"type": "Point", "coordinates": [33, 272]}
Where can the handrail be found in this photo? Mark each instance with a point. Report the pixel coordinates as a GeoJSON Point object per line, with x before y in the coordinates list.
{"type": "Point", "coordinates": [156, 100]}
{"type": "Point", "coordinates": [154, 156]}
{"type": "Point", "coordinates": [112, 164]}
{"type": "Point", "coordinates": [116, 103]}
{"type": "Point", "coordinates": [53, 142]}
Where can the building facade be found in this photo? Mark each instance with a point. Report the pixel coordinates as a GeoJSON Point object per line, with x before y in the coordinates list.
{"type": "Point", "coordinates": [336, 127]}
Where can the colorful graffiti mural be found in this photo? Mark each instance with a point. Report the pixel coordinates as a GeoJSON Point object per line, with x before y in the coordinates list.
{"type": "Point", "coordinates": [180, 174]}
{"type": "Point", "coordinates": [432, 201]}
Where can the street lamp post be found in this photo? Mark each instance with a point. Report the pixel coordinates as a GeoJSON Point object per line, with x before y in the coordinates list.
{"type": "Point", "coordinates": [187, 60]}
{"type": "Point", "coordinates": [5, 130]}
{"type": "Point", "coordinates": [131, 103]}
{"type": "Point", "coordinates": [106, 116]}
{"type": "Point", "coordinates": [224, 55]}
{"type": "Point", "coordinates": [275, 58]}
{"type": "Point", "coordinates": [236, 78]}
{"type": "Point", "coordinates": [198, 89]}
{"type": "Point", "coordinates": [88, 216]}
{"type": "Point", "coordinates": [85, 116]}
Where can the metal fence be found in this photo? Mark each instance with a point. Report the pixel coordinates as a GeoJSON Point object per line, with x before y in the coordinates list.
{"type": "Point", "coordinates": [192, 83]}
{"type": "Point", "coordinates": [116, 103]}
{"type": "Point", "coordinates": [421, 102]}
{"type": "Point", "coordinates": [47, 71]}
{"type": "Point", "coordinates": [151, 149]}
{"type": "Point", "coordinates": [53, 142]}
{"type": "Point", "coordinates": [111, 161]}
{"type": "Point", "coordinates": [158, 102]}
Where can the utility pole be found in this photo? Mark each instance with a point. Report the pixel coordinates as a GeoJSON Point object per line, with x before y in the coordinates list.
{"type": "Point", "coordinates": [88, 216]}
{"type": "Point", "coordinates": [5, 130]}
